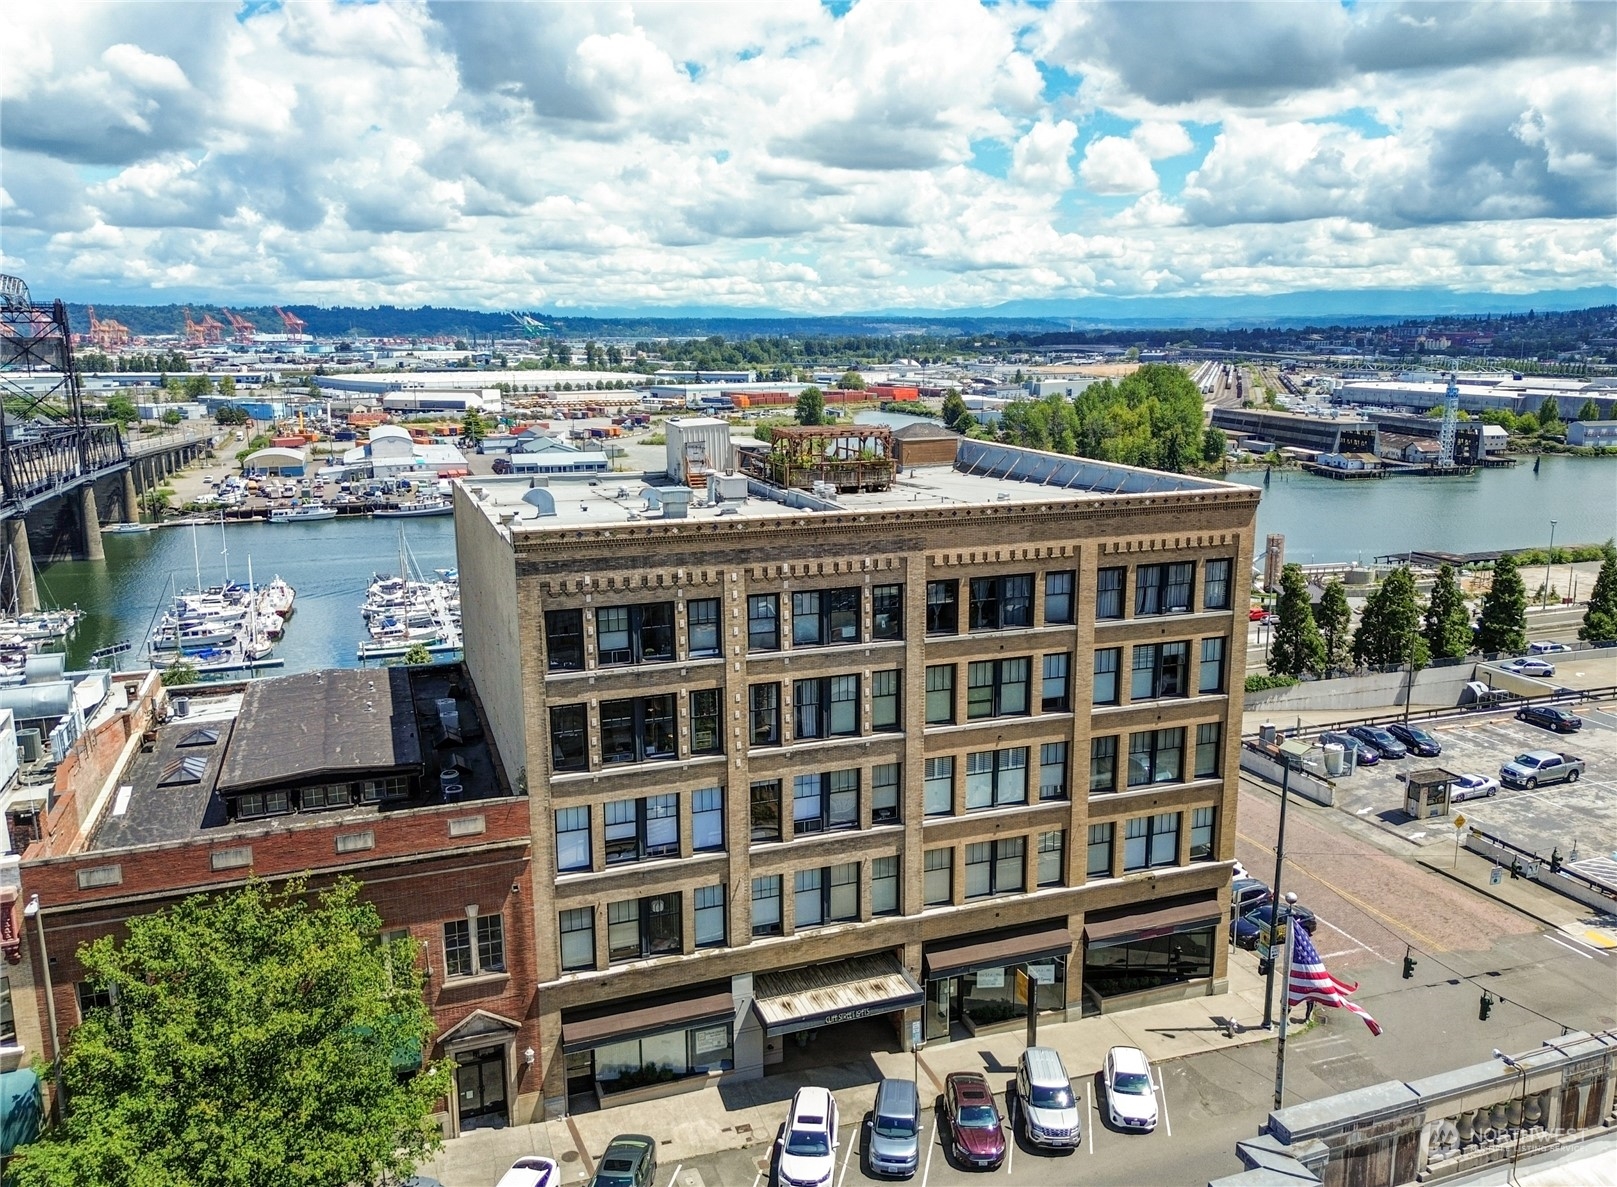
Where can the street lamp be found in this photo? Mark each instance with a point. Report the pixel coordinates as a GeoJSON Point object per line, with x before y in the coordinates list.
{"type": "Point", "coordinates": [1521, 1121]}
{"type": "Point", "coordinates": [32, 911]}
{"type": "Point", "coordinates": [1288, 757]}
{"type": "Point", "coordinates": [1549, 559]}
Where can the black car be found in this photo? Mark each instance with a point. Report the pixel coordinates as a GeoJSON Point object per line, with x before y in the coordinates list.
{"type": "Point", "coordinates": [1364, 754]}
{"type": "Point", "coordinates": [1244, 931]}
{"type": "Point", "coordinates": [1379, 740]}
{"type": "Point", "coordinates": [630, 1161]}
{"type": "Point", "coordinates": [1551, 717]}
{"type": "Point", "coordinates": [1416, 740]}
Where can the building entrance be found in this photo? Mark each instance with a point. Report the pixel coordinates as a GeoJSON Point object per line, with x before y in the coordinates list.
{"type": "Point", "coordinates": [480, 1086]}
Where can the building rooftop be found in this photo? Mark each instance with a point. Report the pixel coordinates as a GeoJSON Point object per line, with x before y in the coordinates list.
{"type": "Point", "coordinates": [332, 726]}
{"type": "Point", "coordinates": [983, 475]}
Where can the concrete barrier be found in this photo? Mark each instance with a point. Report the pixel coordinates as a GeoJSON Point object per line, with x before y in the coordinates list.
{"type": "Point", "coordinates": [1303, 783]}
{"type": "Point", "coordinates": [1536, 868]}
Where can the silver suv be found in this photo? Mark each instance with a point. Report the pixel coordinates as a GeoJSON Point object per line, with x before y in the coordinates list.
{"type": "Point", "coordinates": [895, 1126]}
{"type": "Point", "coordinates": [1045, 1104]}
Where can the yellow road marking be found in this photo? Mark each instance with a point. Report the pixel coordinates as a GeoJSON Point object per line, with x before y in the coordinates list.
{"type": "Point", "coordinates": [1397, 924]}
{"type": "Point", "coordinates": [1599, 939]}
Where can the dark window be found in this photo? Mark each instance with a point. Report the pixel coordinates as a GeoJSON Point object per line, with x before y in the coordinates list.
{"type": "Point", "coordinates": [1156, 756]}
{"type": "Point", "coordinates": [1160, 670]}
{"type": "Point", "coordinates": [885, 793]}
{"type": "Point", "coordinates": [765, 810]}
{"type": "Point", "coordinates": [940, 694]}
{"type": "Point", "coordinates": [996, 688]}
{"type": "Point", "coordinates": [564, 639]}
{"type": "Point", "coordinates": [766, 905]}
{"type": "Point", "coordinates": [1058, 596]}
{"type": "Point", "coordinates": [577, 938]}
{"type": "Point", "coordinates": [1098, 864]}
{"type": "Point", "coordinates": [764, 714]}
{"type": "Point", "coordinates": [1107, 661]}
{"type": "Point", "coordinates": [94, 997]}
{"type": "Point", "coordinates": [702, 624]}
{"type": "Point", "coordinates": [887, 612]}
{"type": "Point", "coordinates": [995, 778]}
{"type": "Point", "coordinates": [1163, 589]}
{"type": "Point", "coordinates": [763, 622]}
{"type": "Point", "coordinates": [822, 616]}
{"type": "Point", "coordinates": [642, 828]}
{"type": "Point", "coordinates": [942, 607]}
{"type": "Point", "coordinates": [638, 729]}
{"type": "Point", "coordinates": [568, 748]}
{"type": "Point", "coordinates": [474, 946]}
{"type": "Point", "coordinates": [885, 706]}
{"type": "Point", "coordinates": [1209, 741]}
{"type": "Point", "coordinates": [1216, 584]}
{"type": "Point", "coordinates": [634, 634]}
{"type": "Point", "coordinates": [572, 839]}
{"type": "Point", "coordinates": [1201, 834]}
{"type": "Point", "coordinates": [644, 927]}
{"type": "Point", "coordinates": [827, 707]}
{"type": "Point", "coordinates": [1053, 771]}
{"type": "Point", "coordinates": [1211, 678]}
{"type": "Point", "coordinates": [706, 735]}
{"type": "Point", "coordinates": [1103, 764]}
{"type": "Point", "coordinates": [707, 819]}
{"type": "Point", "coordinates": [999, 603]}
{"type": "Point", "coordinates": [1052, 870]}
{"type": "Point", "coordinates": [1109, 593]}
{"type": "Point", "coordinates": [827, 802]}
{"type": "Point", "coordinates": [994, 867]}
{"type": "Point", "coordinates": [1055, 694]}
{"type": "Point", "coordinates": [1151, 841]}
{"type": "Point", "coordinates": [263, 803]}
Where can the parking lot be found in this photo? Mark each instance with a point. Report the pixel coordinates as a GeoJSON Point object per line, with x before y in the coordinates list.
{"type": "Point", "coordinates": [1564, 816]}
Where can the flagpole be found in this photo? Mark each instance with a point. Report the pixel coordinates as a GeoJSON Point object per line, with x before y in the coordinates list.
{"type": "Point", "coordinates": [1285, 1005]}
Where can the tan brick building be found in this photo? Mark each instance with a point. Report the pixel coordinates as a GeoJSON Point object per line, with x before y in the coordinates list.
{"type": "Point", "coordinates": [880, 757]}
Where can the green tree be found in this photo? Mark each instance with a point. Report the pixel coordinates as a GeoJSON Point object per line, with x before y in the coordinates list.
{"type": "Point", "coordinates": [230, 414]}
{"type": "Point", "coordinates": [1502, 624]}
{"type": "Point", "coordinates": [1548, 414]}
{"type": "Point", "coordinates": [1447, 627]}
{"type": "Point", "coordinates": [179, 673]}
{"type": "Point", "coordinates": [122, 409]}
{"type": "Point", "coordinates": [1389, 629]}
{"type": "Point", "coordinates": [811, 406]}
{"type": "Point", "coordinates": [416, 654]}
{"type": "Point", "coordinates": [1589, 411]}
{"type": "Point", "coordinates": [473, 428]}
{"type": "Point", "coordinates": [253, 1041]}
{"type": "Point", "coordinates": [1335, 619]}
{"type": "Point", "coordinates": [227, 386]}
{"type": "Point", "coordinates": [1297, 646]}
{"type": "Point", "coordinates": [197, 386]}
{"type": "Point", "coordinates": [955, 413]}
{"type": "Point", "coordinates": [172, 417]}
{"type": "Point", "coordinates": [1600, 619]}
{"type": "Point", "coordinates": [851, 381]}
{"type": "Point", "coordinates": [1214, 444]}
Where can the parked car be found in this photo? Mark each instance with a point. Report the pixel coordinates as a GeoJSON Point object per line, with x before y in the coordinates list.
{"type": "Point", "coordinates": [1256, 614]}
{"type": "Point", "coordinates": [808, 1149]}
{"type": "Point", "coordinates": [1245, 929]}
{"type": "Point", "coordinates": [1383, 742]}
{"type": "Point", "coordinates": [630, 1161]}
{"type": "Point", "coordinates": [1541, 766]}
{"type": "Point", "coordinates": [1363, 753]}
{"type": "Point", "coordinates": [895, 1128]}
{"type": "Point", "coordinates": [1545, 646]}
{"type": "Point", "coordinates": [1551, 717]}
{"type": "Point", "coordinates": [1473, 787]}
{"type": "Point", "coordinates": [973, 1120]}
{"type": "Point", "coordinates": [1247, 894]}
{"type": "Point", "coordinates": [1044, 1100]}
{"type": "Point", "coordinates": [1528, 667]}
{"type": "Point", "coordinates": [531, 1171]}
{"type": "Point", "coordinates": [1416, 740]}
{"type": "Point", "coordinates": [1131, 1098]}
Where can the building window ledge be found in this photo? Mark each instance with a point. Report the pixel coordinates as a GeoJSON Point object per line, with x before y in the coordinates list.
{"type": "Point", "coordinates": [476, 980]}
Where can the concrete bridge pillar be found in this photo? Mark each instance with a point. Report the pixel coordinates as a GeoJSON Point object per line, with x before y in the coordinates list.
{"type": "Point", "coordinates": [22, 565]}
{"type": "Point", "coordinates": [131, 498]}
{"type": "Point", "coordinates": [90, 522]}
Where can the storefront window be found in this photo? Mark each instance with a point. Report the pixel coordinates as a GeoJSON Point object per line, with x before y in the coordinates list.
{"type": "Point", "coordinates": [1129, 965]}
{"type": "Point", "coordinates": [635, 1063]}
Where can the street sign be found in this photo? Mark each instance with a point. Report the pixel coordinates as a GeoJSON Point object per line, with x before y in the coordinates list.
{"type": "Point", "coordinates": [1459, 822]}
{"type": "Point", "coordinates": [915, 1034]}
{"type": "Point", "coordinates": [1496, 876]}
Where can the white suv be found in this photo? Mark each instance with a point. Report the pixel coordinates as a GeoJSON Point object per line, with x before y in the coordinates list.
{"type": "Point", "coordinates": [808, 1148]}
{"type": "Point", "coordinates": [1131, 1098]}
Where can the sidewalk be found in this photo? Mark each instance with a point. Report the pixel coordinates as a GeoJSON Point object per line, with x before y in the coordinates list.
{"type": "Point", "coordinates": [743, 1116]}
{"type": "Point", "coordinates": [1528, 897]}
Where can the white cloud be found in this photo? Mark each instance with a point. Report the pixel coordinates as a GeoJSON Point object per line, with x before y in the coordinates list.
{"type": "Point", "coordinates": [1159, 139]}
{"type": "Point", "coordinates": [1040, 158]}
{"type": "Point", "coordinates": [1115, 165]}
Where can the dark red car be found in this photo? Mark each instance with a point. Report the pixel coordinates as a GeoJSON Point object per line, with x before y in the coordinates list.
{"type": "Point", "coordinates": [975, 1131]}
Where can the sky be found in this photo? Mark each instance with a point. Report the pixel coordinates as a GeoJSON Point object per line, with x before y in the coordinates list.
{"type": "Point", "coordinates": [804, 157]}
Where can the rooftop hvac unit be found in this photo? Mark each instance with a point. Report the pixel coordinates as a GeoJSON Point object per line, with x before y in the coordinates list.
{"type": "Point", "coordinates": [181, 706]}
{"type": "Point", "coordinates": [28, 745]}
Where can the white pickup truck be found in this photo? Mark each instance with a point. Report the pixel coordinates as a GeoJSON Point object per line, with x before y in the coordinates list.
{"type": "Point", "coordinates": [1540, 766]}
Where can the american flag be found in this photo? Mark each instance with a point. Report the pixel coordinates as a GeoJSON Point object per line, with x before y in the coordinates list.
{"type": "Point", "coordinates": [1310, 982]}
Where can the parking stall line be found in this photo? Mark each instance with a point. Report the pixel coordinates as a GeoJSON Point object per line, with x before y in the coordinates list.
{"type": "Point", "coordinates": [673, 1179]}
{"type": "Point", "coordinates": [846, 1159]}
{"type": "Point", "coordinates": [1347, 936]}
{"type": "Point", "coordinates": [1570, 948]}
{"type": "Point", "coordinates": [756, 1179]}
{"type": "Point", "coordinates": [1162, 1101]}
{"type": "Point", "coordinates": [1094, 1125]}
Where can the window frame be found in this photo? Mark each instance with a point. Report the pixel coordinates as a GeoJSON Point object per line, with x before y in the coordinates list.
{"type": "Point", "coordinates": [1161, 744]}
{"type": "Point", "coordinates": [1216, 585]}
{"type": "Point", "coordinates": [560, 644]}
{"type": "Point", "coordinates": [640, 721]}
{"type": "Point", "coordinates": [1165, 588]}
{"type": "Point", "coordinates": [1111, 589]}
{"type": "Point", "coordinates": [1061, 702]}
{"type": "Point", "coordinates": [696, 616]}
{"type": "Point", "coordinates": [1203, 823]}
{"type": "Point", "coordinates": [1163, 678]}
{"type": "Point", "coordinates": [1104, 679]}
{"type": "Point", "coordinates": [642, 812]}
{"type": "Point", "coordinates": [997, 854]}
{"type": "Point", "coordinates": [766, 883]}
{"type": "Point", "coordinates": [939, 771]}
{"type": "Point", "coordinates": [937, 861]}
{"type": "Point", "coordinates": [712, 717]}
{"type": "Point", "coordinates": [1058, 598]}
{"type": "Point", "coordinates": [821, 711]}
{"type": "Point", "coordinates": [885, 884]}
{"type": "Point", "coordinates": [1003, 602]}
{"type": "Point", "coordinates": [1154, 835]}
{"type": "Point", "coordinates": [882, 790]}
{"type": "Point", "coordinates": [943, 607]}
{"type": "Point", "coordinates": [1107, 843]}
{"type": "Point", "coordinates": [562, 740]}
{"type": "Point", "coordinates": [944, 680]}
{"type": "Point", "coordinates": [708, 911]}
{"type": "Point", "coordinates": [1000, 764]}
{"type": "Point", "coordinates": [639, 632]}
{"type": "Point", "coordinates": [764, 793]}
{"type": "Point", "coordinates": [573, 812]}
{"type": "Point", "coordinates": [701, 822]}
{"type": "Point", "coordinates": [887, 708]}
{"type": "Point", "coordinates": [763, 638]}
{"type": "Point", "coordinates": [887, 612]}
{"type": "Point", "coordinates": [474, 946]}
{"type": "Point", "coordinates": [1209, 742]}
{"type": "Point", "coordinates": [824, 790]}
{"type": "Point", "coordinates": [649, 942]}
{"type": "Point", "coordinates": [1049, 760]}
{"type": "Point", "coordinates": [1103, 757]}
{"type": "Point", "coordinates": [1043, 849]}
{"type": "Point", "coordinates": [763, 720]}
{"type": "Point", "coordinates": [1215, 665]}
{"type": "Point", "coordinates": [1001, 695]}
{"type": "Point", "coordinates": [833, 610]}
{"type": "Point", "coordinates": [563, 931]}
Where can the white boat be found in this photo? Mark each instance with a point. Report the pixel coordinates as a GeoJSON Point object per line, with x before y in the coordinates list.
{"type": "Point", "coordinates": [307, 513]}
{"type": "Point", "coordinates": [120, 529]}
{"type": "Point", "coordinates": [416, 510]}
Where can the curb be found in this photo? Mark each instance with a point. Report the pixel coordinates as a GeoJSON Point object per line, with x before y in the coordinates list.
{"type": "Point", "coordinates": [1517, 907]}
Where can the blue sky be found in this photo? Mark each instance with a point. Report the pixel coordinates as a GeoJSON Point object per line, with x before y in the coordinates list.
{"type": "Point", "coordinates": [804, 156]}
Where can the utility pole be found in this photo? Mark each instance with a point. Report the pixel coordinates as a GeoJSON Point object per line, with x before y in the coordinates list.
{"type": "Point", "coordinates": [1274, 913]}
{"type": "Point", "coordinates": [1549, 559]}
{"type": "Point", "coordinates": [1285, 1001]}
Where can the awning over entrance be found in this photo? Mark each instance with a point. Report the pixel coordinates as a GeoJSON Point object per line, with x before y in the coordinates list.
{"type": "Point", "coordinates": [825, 994]}
{"type": "Point", "coordinates": [1125, 925]}
{"type": "Point", "coordinates": [990, 950]}
{"type": "Point", "coordinates": [20, 1109]}
{"type": "Point", "coordinates": [652, 1017]}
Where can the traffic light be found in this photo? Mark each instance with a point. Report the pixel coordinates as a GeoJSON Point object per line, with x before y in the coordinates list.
{"type": "Point", "coordinates": [1409, 965]}
{"type": "Point", "coordinates": [1263, 966]}
{"type": "Point", "coordinates": [1486, 1006]}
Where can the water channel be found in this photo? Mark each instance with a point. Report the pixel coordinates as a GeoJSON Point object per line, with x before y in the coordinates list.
{"type": "Point", "coordinates": [330, 563]}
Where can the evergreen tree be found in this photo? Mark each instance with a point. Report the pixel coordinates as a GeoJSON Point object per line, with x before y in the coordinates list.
{"type": "Point", "coordinates": [1448, 622]}
{"type": "Point", "coordinates": [1503, 626]}
{"type": "Point", "coordinates": [1600, 620]}
{"type": "Point", "coordinates": [1335, 619]}
{"type": "Point", "coordinates": [1589, 411]}
{"type": "Point", "coordinates": [1297, 647]}
{"type": "Point", "coordinates": [955, 413]}
{"type": "Point", "coordinates": [1548, 413]}
{"type": "Point", "coordinates": [1389, 629]}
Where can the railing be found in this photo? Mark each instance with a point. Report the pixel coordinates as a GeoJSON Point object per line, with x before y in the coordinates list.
{"type": "Point", "coordinates": [57, 457]}
{"type": "Point", "coordinates": [1559, 697]}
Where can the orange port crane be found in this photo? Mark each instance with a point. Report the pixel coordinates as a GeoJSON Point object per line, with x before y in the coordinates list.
{"type": "Point", "coordinates": [210, 328]}
{"type": "Point", "coordinates": [242, 329]}
{"type": "Point", "coordinates": [107, 334]}
{"type": "Point", "coordinates": [293, 323]}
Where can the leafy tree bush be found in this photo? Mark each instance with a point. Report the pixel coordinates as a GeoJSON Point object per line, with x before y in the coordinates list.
{"type": "Point", "coordinates": [1448, 621]}
{"type": "Point", "coordinates": [416, 654]}
{"type": "Point", "coordinates": [1335, 619]}
{"type": "Point", "coordinates": [1262, 682]}
{"type": "Point", "coordinates": [1503, 621]}
{"type": "Point", "coordinates": [1151, 418]}
{"type": "Point", "coordinates": [851, 381]}
{"type": "Point", "coordinates": [252, 1041]}
{"type": "Point", "coordinates": [1389, 628]}
{"type": "Point", "coordinates": [1589, 411]}
{"type": "Point", "coordinates": [179, 673]}
{"type": "Point", "coordinates": [1600, 619]}
{"type": "Point", "coordinates": [811, 406]}
{"type": "Point", "coordinates": [1297, 646]}
{"type": "Point", "coordinates": [122, 409]}
{"type": "Point", "coordinates": [955, 413]}
{"type": "Point", "coordinates": [230, 415]}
